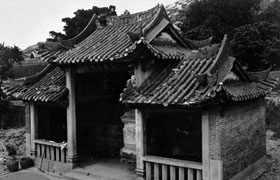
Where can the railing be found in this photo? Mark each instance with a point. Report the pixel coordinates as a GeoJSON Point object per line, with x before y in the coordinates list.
{"type": "Point", "coordinates": [50, 150]}
{"type": "Point", "coordinates": [159, 168]}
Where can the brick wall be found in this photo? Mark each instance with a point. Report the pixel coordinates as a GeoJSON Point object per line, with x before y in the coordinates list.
{"type": "Point", "coordinates": [237, 135]}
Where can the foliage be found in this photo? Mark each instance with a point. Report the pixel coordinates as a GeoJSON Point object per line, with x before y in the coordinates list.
{"type": "Point", "coordinates": [253, 44]}
{"type": "Point", "coordinates": [271, 14]}
{"type": "Point", "coordinates": [217, 17]}
{"type": "Point", "coordinates": [258, 44]}
{"type": "Point", "coordinates": [254, 33]}
{"type": "Point", "coordinates": [8, 56]}
{"type": "Point", "coordinates": [76, 24]}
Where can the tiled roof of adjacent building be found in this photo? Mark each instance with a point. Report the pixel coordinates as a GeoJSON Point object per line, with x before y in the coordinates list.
{"type": "Point", "coordinates": [205, 75]}
{"type": "Point", "coordinates": [47, 86]}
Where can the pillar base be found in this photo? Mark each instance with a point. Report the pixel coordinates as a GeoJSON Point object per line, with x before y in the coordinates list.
{"type": "Point", "coordinates": [140, 172]}
{"type": "Point", "coordinates": [72, 161]}
{"type": "Point", "coordinates": [33, 152]}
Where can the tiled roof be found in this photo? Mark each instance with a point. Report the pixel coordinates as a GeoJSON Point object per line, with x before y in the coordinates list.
{"type": "Point", "coordinates": [240, 91]}
{"type": "Point", "coordinates": [49, 86]}
{"type": "Point", "coordinates": [120, 38]}
{"type": "Point", "coordinates": [47, 55]}
{"type": "Point", "coordinates": [195, 80]}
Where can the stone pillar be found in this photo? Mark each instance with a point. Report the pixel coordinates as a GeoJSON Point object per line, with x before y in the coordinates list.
{"type": "Point", "coordinates": [128, 152]}
{"type": "Point", "coordinates": [33, 127]}
{"type": "Point", "coordinates": [72, 155]}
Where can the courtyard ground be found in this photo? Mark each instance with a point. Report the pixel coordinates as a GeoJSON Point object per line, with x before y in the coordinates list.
{"type": "Point", "coordinates": [272, 169]}
{"type": "Point", "coordinates": [16, 138]}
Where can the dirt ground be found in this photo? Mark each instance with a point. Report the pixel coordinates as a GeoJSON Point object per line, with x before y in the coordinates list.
{"type": "Point", "coordinates": [272, 169]}
{"type": "Point", "coordinates": [14, 138]}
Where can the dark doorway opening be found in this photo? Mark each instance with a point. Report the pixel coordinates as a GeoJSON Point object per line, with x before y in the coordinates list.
{"type": "Point", "coordinates": [175, 136]}
{"type": "Point", "coordinates": [52, 123]}
{"type": "Point", "coordinates": [99, 127]}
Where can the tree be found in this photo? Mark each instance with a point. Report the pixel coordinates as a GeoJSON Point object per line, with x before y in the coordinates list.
{"type": "Point", "coordinates": [250, 42]}
{"type": "Point", "coordinates": [217, 17]}
{"type": "Point", "coordinates": [8, 56]}
{"type": "Point", "coordinates": [77, 23]}
{"type": "Point", "coordinates": [254, 32]}
{"type": "Point", "coordinates": [257, 45]}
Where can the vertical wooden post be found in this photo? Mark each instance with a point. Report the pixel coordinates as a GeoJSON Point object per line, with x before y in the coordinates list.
{"type": "Point", "coordinates": [72, 155]}
{"type": "Point", "coordinates": [140, 124]}
{"type": "Point", "coordinates": [205, 145]}
{"type": "Point", "coordinates": [140, 142]}
{"type": "Point", "coordinates": [33, 127]}
{"type": "Point", "coordinates": [27, 129]}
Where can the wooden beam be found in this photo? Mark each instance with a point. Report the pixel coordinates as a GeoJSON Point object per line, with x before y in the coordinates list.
{"type": "Point", "coordinates": [205, 145]}
{"type": "Point", "coordinates": [72, 155]}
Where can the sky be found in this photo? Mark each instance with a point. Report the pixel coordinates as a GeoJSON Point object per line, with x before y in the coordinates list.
{"type": "Point", "coordinates": [27, 22]}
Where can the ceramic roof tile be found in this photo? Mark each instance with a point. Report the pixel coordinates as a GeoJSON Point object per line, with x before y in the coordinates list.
{"type": "Point", "coordinates": [49, 88]}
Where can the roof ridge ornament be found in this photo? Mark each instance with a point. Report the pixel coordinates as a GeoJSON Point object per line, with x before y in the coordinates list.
{"type": "Point", "coordinates": [70, 43]}
{"type": "Point", "coordinates": [128, 18]}
{"type": "Point", "coordinates": [210, 77]}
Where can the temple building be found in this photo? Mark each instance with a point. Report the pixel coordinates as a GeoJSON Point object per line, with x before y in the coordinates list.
{"type": "Point", "coordinates": [137, 92]}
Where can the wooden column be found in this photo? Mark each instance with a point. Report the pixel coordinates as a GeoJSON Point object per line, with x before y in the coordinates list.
{"type": "Point", "coordinates": [72, 155]}
{"type": "Point", "coordinates": [33, 127]}
{"type": "Point", "coordinates": [205, 146]}
{"type": "Point", "coordinates": [27, 129]}
{"type": "Point", "coordinates": [140, 142]}
{"type": "Point", "coordinates": [140, 123]}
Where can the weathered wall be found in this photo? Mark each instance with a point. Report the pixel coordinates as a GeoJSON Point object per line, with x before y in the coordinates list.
{"type": "Point", "coordinates": [237, 135]}
{"type": "Point", "coordinates": [14, 116]}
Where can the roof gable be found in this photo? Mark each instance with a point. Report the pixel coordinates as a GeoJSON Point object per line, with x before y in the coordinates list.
{"type": "Point", "coordinates": [114, 41]}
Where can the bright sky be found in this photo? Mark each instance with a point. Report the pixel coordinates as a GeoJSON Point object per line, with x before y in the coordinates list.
{"type": "Point", "coordinates": [26, 22]}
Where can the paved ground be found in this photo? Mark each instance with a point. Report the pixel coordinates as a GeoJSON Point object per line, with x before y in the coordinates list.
{"type": "Point", "coordinates": [30, 174]}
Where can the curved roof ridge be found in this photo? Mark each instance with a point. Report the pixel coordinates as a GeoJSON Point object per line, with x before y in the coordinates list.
{"type": "Point", "coordinates": [161, 12]}
{"type": "Point", "coordinates": [31, 79]}
{"type": "Point", "coordinates": [132, 18]}
{"type": "Point", "coordinates": [199, 43]}
{"type": "Point", "coordinates": [69, 43]}
{"type": "Point", "coordinates": [38, 76]}
{"type": "Point", "coordinates": [222, 52]}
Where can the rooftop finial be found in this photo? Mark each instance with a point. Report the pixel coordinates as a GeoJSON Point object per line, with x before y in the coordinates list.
{"type": "Point", "coordinates": [97, 23]}
{"type": "Point", "coordinates": [126, 12]}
